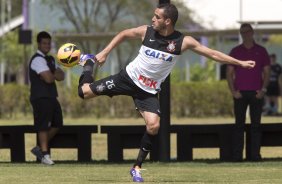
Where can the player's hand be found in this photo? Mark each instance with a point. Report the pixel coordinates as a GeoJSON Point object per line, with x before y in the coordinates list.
{"type": "Point", "coordinates": [248, 64]}
{"type": "Point", "coordinates": [260, 94]}
{"type": "Point", "coordinates": [101, 58]}
{"type": "Point", "coordinates": [236, 94]}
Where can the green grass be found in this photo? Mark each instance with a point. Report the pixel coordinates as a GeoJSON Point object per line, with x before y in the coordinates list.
{"type": "Point", "coordinates": [187, 172]}
{"type": "Point", "coordinates": [205, 169]}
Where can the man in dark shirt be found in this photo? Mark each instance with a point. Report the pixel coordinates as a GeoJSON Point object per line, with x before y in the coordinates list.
{"type": "Point", "coordinates": [274, 87]}
{"type": "Point", "coordinates": [248, 88]}
{"type": "Point", "coordinates": [43, 96]}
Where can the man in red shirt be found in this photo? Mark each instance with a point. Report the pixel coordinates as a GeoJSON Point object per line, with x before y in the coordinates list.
{"type": "Point", "coordinates": [248, 88]}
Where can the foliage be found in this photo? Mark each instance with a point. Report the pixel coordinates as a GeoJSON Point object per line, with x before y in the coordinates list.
{"type": "Point", "coordinates": [12, 51]}
{"type": "Point", "coordinates": [13, 98]}
{"type": "Point", "coordinates": [104, 16]}
{"type": "Point", "coordinates": [176, 75]}
{"type": "Point", "coordinates": [275, 39]}
{"type": "Point", "coordinates": [192, 99]}
{"type": "Point", "coordinates": [185, 16]}
{"type": "Point", "coordinates": [15, 56]}
{"type": "Point", "coordinates": [201, 99]}
{"type": "Point", "coordinates": [107, 16]}
{"type": "Point", "coordinates": [203, 73]}
{"type": "Point", "coordinates": [16, 9]}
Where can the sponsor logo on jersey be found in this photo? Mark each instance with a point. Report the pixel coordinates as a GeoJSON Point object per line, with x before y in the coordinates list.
{"type": "Point", "coordinates": [158, 55]}
{"type": "Point", "coordinates": [148, 82]}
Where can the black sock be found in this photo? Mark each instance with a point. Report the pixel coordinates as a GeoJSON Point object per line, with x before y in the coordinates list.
{"type": "Point", "coordinates": [146, 146]}
{"type": "Point", "coordinates": [86, 77]}
{"type": "Point", "coordinates": [45, 153]}
{"type": "Point", "coordinates": [141, 157]}
{"type": "Point", "coordinates": [88, 66]}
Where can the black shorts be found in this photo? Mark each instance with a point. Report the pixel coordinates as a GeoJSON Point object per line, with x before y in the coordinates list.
{"type": "Point", "coordinates": [47, 113]}
{"type": "Point", "coordinates": [273, 90]}
{"type": "Point", "coordinates": [122, 84]}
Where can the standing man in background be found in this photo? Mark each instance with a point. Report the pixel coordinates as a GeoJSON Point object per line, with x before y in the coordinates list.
{"type": "Point", "coordinates": [47, 112]}
{"type": "Point", "coordinates": [274, 87]}
{"type": "Point", "coordinates": [248, 88]}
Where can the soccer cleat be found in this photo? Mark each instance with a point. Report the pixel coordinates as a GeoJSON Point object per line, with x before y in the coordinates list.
{"type": "Point", "coordinates": [47, 160]}
{"type": "Point", "coordinates": [36, 151]}
{"type": "Point", "coordinates": [85, 57]}
{"type": "Point", "coordinates": [136, 175]}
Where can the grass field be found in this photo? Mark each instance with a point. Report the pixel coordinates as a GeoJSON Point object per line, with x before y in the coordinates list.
{"type": "Point", "coordinates": [267, 172]}
{"type": "Point", "coordinates": [205, 169]}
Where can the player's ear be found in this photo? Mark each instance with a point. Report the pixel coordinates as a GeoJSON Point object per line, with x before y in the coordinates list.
{"type": "Point", "coordinates": [168, 21]}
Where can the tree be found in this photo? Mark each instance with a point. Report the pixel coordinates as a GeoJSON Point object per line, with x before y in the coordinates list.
{"type": "Point", "coordinates": [13, 56]}
{"type": "Point", "coordinates": [185, 14]}
{"type": "Point", "coordinates": [102, 16]}
{"type": "Point", "coordinates": [11, 9]}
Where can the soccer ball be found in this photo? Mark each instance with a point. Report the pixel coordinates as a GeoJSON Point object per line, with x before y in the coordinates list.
{"type": "Point", "coordinates": [68, 55]}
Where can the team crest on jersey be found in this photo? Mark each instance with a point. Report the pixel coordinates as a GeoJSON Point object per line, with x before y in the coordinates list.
{"type": "Point", "coordinates": [100, 88]}
{"type": "Point", "coordinates": [171, 46]}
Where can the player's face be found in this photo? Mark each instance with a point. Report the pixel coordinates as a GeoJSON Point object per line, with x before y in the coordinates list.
{"type": "Point", "coordinates": [246, 33]}
{"type": "Point", "coordinates": [44, 45]}
{"type": "Point", "coordinates": [158, 20]}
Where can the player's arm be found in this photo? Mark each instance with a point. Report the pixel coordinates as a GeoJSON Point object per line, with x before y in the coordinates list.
{"type": "Point", "coordinates": [280, 83]}
{"type": "Point", "coordinates": [133, 33]}
{"type": "Point", "coordinates": [280, 80]}
{"type": "Point", "coordinates": [194, 45]}
{"type": "Point", "coordinates": [265, 77]}
{"type": "Point", "coordinates": [59, 74]}
{"type": "Point", "coordinates": [47, 76]}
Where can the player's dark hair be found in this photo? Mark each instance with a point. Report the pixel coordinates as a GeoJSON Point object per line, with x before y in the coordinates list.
{"type": "Point", "coordinates": [170, 12]}
{"type": "Point", "coordinates": [246, 25]}
{"type": "Point", "coordinates": [272, 56]}
{"type": "Point", "coordinates": [41, 35]}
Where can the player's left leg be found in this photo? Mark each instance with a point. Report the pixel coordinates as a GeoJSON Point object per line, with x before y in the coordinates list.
{"type": "Point", "coordinates": [152, 121]}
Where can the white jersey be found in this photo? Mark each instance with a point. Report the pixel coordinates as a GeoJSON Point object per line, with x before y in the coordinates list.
{"type": "Point", "coordinates": [157, 56]}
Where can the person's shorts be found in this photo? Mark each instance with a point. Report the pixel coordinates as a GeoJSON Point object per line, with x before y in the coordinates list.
{"type": "Point", "coordinates": [273, 90]}
{"type": "Point", "coordinates": [47, 113]}
{"type": "Point", "coordinates": [122, 84]}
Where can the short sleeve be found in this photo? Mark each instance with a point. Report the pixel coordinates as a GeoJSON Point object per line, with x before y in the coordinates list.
{"type": "Point", "coordinates": [38, 64]}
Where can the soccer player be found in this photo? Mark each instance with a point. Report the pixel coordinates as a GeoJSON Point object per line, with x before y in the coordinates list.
{"type": "Point", "coordinates": [142, 78]}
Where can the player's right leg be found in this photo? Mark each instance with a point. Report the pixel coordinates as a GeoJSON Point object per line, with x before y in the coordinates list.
{"type": "Point", "coordinates": [84, 90]}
